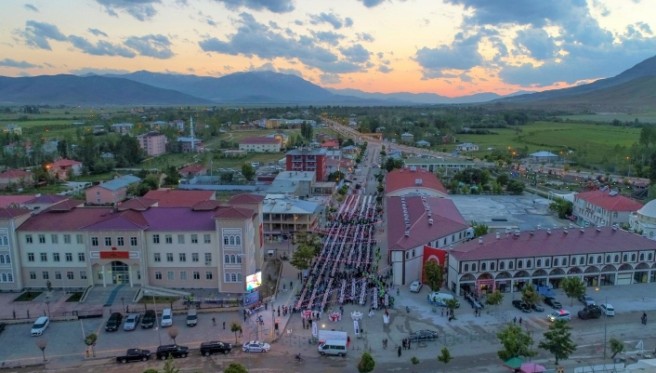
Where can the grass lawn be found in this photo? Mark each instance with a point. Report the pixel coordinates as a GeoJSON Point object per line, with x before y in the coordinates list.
{"type": "Point", "coordinates": [75, 297]}
{"type": "Point", "coordinates": [27, 296]}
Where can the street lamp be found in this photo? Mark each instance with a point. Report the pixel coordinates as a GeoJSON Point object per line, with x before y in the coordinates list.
{"type": "Point", "coordinates": [159, 337]}
{"type": "Point", "coordinates": [605, 321]}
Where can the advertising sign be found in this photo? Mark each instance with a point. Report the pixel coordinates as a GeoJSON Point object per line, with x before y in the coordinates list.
{"type": "Point", "coordinates": [253, 281]}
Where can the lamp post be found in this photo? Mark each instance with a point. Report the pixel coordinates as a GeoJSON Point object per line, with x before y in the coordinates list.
{"type": "Point", "coordinates": [605, 321]}
{"type": "Point", "coordinates": [159, 337]}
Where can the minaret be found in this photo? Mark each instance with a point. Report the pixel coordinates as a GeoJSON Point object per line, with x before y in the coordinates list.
{"type": "Point", "coordinates": [191, 133]}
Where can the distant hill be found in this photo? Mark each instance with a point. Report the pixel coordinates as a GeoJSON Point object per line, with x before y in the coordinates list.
{"type": "Point", "coordinates": [89, 90]}
{"type": "Point", "coordinates": [418, 98]}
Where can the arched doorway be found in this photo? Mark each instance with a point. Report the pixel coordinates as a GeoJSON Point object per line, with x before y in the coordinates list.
{"type": "Point", "coordinates": [120, 272]}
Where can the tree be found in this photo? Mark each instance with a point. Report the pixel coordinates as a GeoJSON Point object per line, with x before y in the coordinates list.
{"type": "Point", "coordinates": [558, 340]}
{"type": "Point", "coordinates": [616, 347]}
{"type": "Point", "coordinates": [248, 171]}
{"type": "Point", "coordinates": [529, 295]}
{"type": "Point", "coordinates": [516, 342]}
{"type": "Point", "coordinates": [515, 187]}
{"type": "Point", "coordinates": [302, 256]}
{"type": "Point", "coordinates": [479, 229]}
{"type": "Point", "coordinates": [173, 333]}
{"type": "Point", "coordinates": [434, 274]}
{"type": "Point", "coordinates": [172, 176]}
{"type": "Point", "coordinates": [90, 340]}
{"type": "Point", "coordinates": [562, 207]}
{"type": "Point", "coordinates": [444, 357]}
{"type": "Point", "coordinates": [573, 287]}
{"type": "Point", "coordinates": [307, 131]}
{"type": "Point", "coordinates": [235, 368]}
{"type": "Point", "coordinates": [495, 298]}
{"type": "Point", "coordinates": [503, 179]}
{"type": "Point", "coordinates": [169, 367]}
{"type": "Point", "coordinates": [235, 328]}
{"type": "Point", "coordinates": [41, 343]}
{"type": "Point", "coordinates": [366, 363]}
{"type": "Point", "coordinates": [452, 304]}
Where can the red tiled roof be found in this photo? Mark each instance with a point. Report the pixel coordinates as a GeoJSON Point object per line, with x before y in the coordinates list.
{"type": "Point", "coordinates": [179, 198]}
{"type": "Point", "coordinates": [609, 202]}
{"type": "Point", "coordinates": [541, 243]}
{"type": "Point", "coordinates": [192, 169]}
{"type": "Point", "coordinates": [259, 140]}
{"type": "Point", "coordinates": [447, 220]}
{"type": "Point", "coordinates": [46, 198]}
{"type": "Point", "coordinates": [15, 173]}
{"type": "Point", "coordinates": [407, 178]}
{"type": "Point", "coordinates": [138, 204]}
{"type": "Point", "coordinates": [12, 212]}
{"type": "Point", "coordinates": [6, 201]}
{"type": "Point", "coordinates": [121, 220]}
{"type": "Point", "coordinates": [332, 143]}
{"type": "Point", "coordinates": [230, 212]}
{"type": "Point", "coordinates": [75, 219]}
{"type": "Point", "coordinates": [206, 205]}
{"type": "Point", "coordinates": [247, 198]}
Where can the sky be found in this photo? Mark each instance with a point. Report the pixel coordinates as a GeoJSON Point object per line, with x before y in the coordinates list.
{"type": "Point", "coordinates": [447, 47]}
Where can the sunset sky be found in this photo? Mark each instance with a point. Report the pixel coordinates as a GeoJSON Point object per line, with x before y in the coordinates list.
{"type": "Point", "coordinates": [448, 47]}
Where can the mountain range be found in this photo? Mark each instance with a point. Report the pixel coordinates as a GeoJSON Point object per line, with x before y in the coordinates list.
{"type": "Point", "coordinates": [632, 89]}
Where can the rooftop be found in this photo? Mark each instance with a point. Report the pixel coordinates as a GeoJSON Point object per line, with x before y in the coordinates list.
{"type": "Point", "coordinates": [609, 200]}
{"type": "Point", "coordinates": [120, 182]}
{"type": "Point", "coordinates": [412, 178]}
{"type": "Point", "coordinates": [259, 140]}
{"type": "Point", "coordinates": [179, 198]}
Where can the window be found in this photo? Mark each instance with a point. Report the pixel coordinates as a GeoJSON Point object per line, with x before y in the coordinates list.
{"type": "Point", "coordinates": [94, 241]}
{"type": "Point", "coordinates": [590, 260]}
{"type": "Point", "coordinates": [239, 259]}
{"type": "Point", "coordinates": [133, 241]}
{"type": "Point", "coordinates": [194, 257]}
{"type": "Point", "coordinates": [502, 266]}
{"type": "Point", "coordinates": [510, 265]}
{"type": "Point", "coordinates": [183, 275]}
{"type": "Point", "coordinates": [54, 238]}
{"type": "Point", "coordinates": [617, 258]}
{"type": "Point", "coordinates": [196, 275]}
{"type": "Point", "coordinates": [156, 238]}
{"type": "Point", "coordinates": [226, 258]}
{"type": "Point", "coordinates": [208, 275]}
{"type": "Point", "coordinates": [45, 275]}
{"type": "Point", "coordinates": [55, 257]}
{"type": "Point", "coordinates": [483, 266]}
{"type": "Point", "coordinates": [28, 238]}
{"type": "Point", "coordinates": [32, 275]}
{"type": "Point", "coordinates": [194, 238]}
{"type": "Point", "coordinates": [80, 257]}
{"type": "Point", "coordinates": [170, 275]}
{"type": "Point", "coordinates": [207, 238]}
{"type": "Point", "coordinates": [169, 257]}
{"type": "Point", "coordinates": [538, 263]}
{"type": "Point", "coordinates": [642, 256]}
{"type": "Point", "coordinates": [67, 238]}
{"type": "Point", "coordinates": [70, 275]}
{"type": "Point", "coordinates": [208, 257]}
{"type": "Point", "coordinates": [58, 275]}
{"type": "Point", "coordinates": [108, 241]}
{"type": "Point", "coordinates": [226, 240]}
{"type": "Point", "coordinates": [492, 266]}
{"type": "Point", "coordinates": [546, 262]}
{"type": "Point", "coordinates": [100, 276]}
{"type": "Point", "coordinates": [599, 258]}
{"type": "Point", "coordinates": [42, 238]}
{"type": "Point", "coordinates": [158, 275]}
{"type": "Point", "coordinates": [30, 257]}
{"type": "Point", "coordinates": [633, 257]}
{"type": "Point", "coordinates": [564, 261]}
{"type": "Point", "coordinates": [83, 275]}
{"type": "Point", "coordinates": [183, 257]}
{"type": "Point", "coordinates": [649, 256]}
{"type": "Point", "coordinates": [168, 238]}
{"type": "Point", "coordinates": [181, 239]}
{"type": "Point", "coordinates": [79, 239]}
{"type": "Point", "coordinates": [69, 257]}
{"type": "Point", "coordinates": [528, 263]}
{"type": "Point", "coordinates": [555, 262]}
{"type": "Point", "coordinates": [520, 264]}
{"type": "Point", "coordinates": [44, 257]}
{"type": "Point", "coordinates": [157, 257]}
{"type": "Point", "coordinates": [473, 267]}
{"type": "Point", "coordinates": [607, 258]}
{"type": "Point", "coordinates": [625, 258]}
{"type": "Point", "coordinates": [120, 241]}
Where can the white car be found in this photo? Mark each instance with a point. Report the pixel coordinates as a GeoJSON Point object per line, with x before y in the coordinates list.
{"type": "Point", "coordinates": [256, 346]}
{"type": "Point", "coordinates": [415, 286]}
{"type": "Point", "coordinates": [608, 309]}
{"type": "Point", "coordinates": [40, 326]}
{"type": "Point", "coordinates": [560, 315]}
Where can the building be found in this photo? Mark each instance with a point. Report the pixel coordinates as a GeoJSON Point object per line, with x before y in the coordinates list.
{"type": "Point", "coordinates": [423, 144]}
{"type": "Point", "coordinates": [444, 165]}
{"type": "Point", "coordinates": [179, 198]}
{"type": "Point", "coordinates": [643, 221]}
{"type": "Point", "coordinates": [413, 181]}
{"type": "Point", "coordinates": [153, 143]}
{"type": "Point", "coordinates": [193, 170]}
{"type": "Point", "coordinates": [284, 215]}
{"type": "Point", "coordinates": [543, 156]}
{"type": "Point", "coordinates": [110, 192]}
{"type": "Point", "coordinates": [407, 138]}
{"type": "Point", "coordinates": [122, 128]}
{"type": "Point", "coordinates": [466, 147]}
{"type": "Point", "coordinates": [260, 145]}
{"type": "Point", "coordinates": [307, 160]}
{"type": "Point", "coordinates": [293, 183]}
{"type": "Point", "coordinates": [598, 255]}
{"type": "Point", "coordinates": [414, 222]}
{"type": "Point", "coordinates": [16, 178]}
{"type": "Point", "coordinates": [61, 169]}
{"type": "Point", "coordinates": [603, 208]}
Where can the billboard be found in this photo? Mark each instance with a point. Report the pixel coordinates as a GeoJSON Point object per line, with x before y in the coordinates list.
{"type": "Point", "coordinates": [253, 281]}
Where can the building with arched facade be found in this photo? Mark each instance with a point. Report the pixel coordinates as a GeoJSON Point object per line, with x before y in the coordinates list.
{"type": "Point", "coordinates": [643, 221]}
{"type": "Point", "coordinates": [600, 256]}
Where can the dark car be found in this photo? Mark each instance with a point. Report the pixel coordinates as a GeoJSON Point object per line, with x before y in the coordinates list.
{"type": "Point", "coordinates": [587, 300]}
{"type": "Point", "coordinates": [163, 352]}
{"type": "Point", "coordinates": [520, 305]}
{"type": "Point", "coordinates": [590, 312]}
{"type": "Point", "coordinates": [215, 347]}
{"type": "Point", "coordinates": [148, 320]}
{"type": "Point", "coordinates": [423, 335]}
{"type": "Point", "coordinates": [114, 322]}
{"type": "Point", "coordinates": [134, 354]}
{"type": "Point", "coordinates": [553, 303]}
{"type": "Point", "coordinates": [537, 308]}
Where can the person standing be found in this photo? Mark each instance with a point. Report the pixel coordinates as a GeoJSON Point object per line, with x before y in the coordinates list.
{"type": "Point", "coordinates": [399, 351]}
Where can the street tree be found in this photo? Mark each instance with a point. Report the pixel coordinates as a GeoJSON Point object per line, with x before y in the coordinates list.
{"type": "Point", "coordinates": [515, 187]}
{"type": "Point", "coordinates": [444, 357]}
{"type": "Point", "coordinates": [248, 171]}
{"type": "Point", "coordinates": [173, 333]}
{"type": "Point", "coordinates": [235, 328]}
{"type": "Point", "coordinates": [302, 256]}
{"type": "Point", "coordinates": [434, 274]}
{"type": "Point", "coordinates": [558, 340]}
{"type": "Point", "coordinates": [451, 305]}
{"type": "Point", "coordinates": [169, 366]}
{"type": "Point", "coordinates": [573, 287]}
{"type": "Point", "coordinates": [495, 298]}
{"type": "Point", "coordinates": [42, 343]}
{"type": "Point", "coordinates": [562, 207]}
{"type": "Point", "coordinates": [529, 295]}
{"type": "Point", "coordinates": [235, 368]}
{"type": "Point", "coordinates": [516, 342]}
{"type": "Point", "coordinates": [479, 229]}
{"type": "Point", "coordinates": [616, 347]}
{"type": "Point", "coordinates": [366, 363]}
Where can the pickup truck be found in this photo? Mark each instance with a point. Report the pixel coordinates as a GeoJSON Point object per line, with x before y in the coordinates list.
{"type": "Point", "coordinates": [134, 354]}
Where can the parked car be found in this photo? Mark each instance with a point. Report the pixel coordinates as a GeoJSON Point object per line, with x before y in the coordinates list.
{"type": "Point", "coordinates": [587, 300]}
{"type": "Point", "coordinates": [214, 347]}
{"type": "Point", "coordinates": [537, 308]}
{"type": "Point", "coordinates": [560, 315]}
{"type": "Point", "coordinates": [134, 354]}
{"type": "Point", "coordinates": [192, 317]}
{"type": "Point", "coordinates": [520, 305]}
{"type": "Point", "coordinates": [415, 286]}
{"type": "Point", "coordinates": [131, 321]}
{"type": "Point", "coordinates": [608, 309]}
{"type": "Point", "coordinates": [256, 346]}
{"type": "Point", "coordinates": [590, 312]}
{"type": "Point", "coordinates": [164, 351]}
{"type": "Point", "coordinates": [40, 326]}
{"type": "Point", "coordinates": [148, 321]}
{"type": "Point", "coordinates": [553, 303]}
{"type": "Point", "coordinates": [113, 322]}
{"type": "Point", "coordinates": [423, 335]}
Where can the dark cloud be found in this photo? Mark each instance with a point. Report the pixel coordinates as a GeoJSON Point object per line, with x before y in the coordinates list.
{"type": "Point", "coordinates": [142, 10]}
{"type": "Point", "coordinates": [371, 3]}
{"type": "Point", "coordinates": [329, 37]}
{"type": "Point", "coordinates": [537, 43]}
{"type": "Point", "coordinates": [462, 54]}
{"type": "Point", "coordinates": [275, 6]}
{"type": "Point", "coordinates": [100, 48]}
{"type": "Point", "coordinates": [31, 7]}
{"type": "Point", "coordinates": [156, 46]}
{"type": "Point", "coordinates": [256, 39]}
{"type": "Point", "coordinates": [356, 53]}
{"type": "Point", "coordinates": [8, 62]}
{"type": "Point", "coordinates": [38, 34]}
{"type": "Point", "coordinates": [522, 12]}
{"type": "Point", "coordinates": [385, 69]}
{"type": "Point", "coordinates": [97, 32]}
{"type": "Point", "coordinates": [332, 19]}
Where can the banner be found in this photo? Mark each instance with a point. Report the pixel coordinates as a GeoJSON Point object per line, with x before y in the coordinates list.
{"type": "Point", "coordinates": [315, 329]}
{"type": "Point", "coordinates": [356, 327]}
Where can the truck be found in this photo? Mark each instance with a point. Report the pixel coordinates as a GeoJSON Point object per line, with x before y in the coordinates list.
{"type": "Point", "coordinates": [134, 354]}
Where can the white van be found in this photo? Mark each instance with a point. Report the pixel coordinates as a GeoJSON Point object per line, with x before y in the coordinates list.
{"type": "Point", "coordinates": [40, 326]}
{"type": "Point", "coordinates": [167, 317]}
{"type": "Point", "coordinates": [333, 347]}
{"type": "Point", "coordinates": [192, 317]}
{"type": "Point", "coordinates": [440, 299]}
